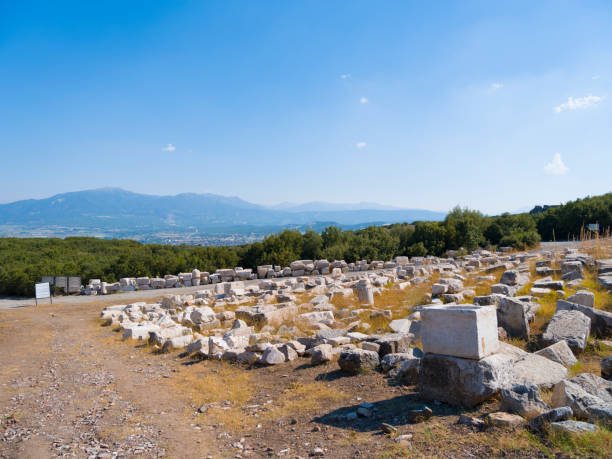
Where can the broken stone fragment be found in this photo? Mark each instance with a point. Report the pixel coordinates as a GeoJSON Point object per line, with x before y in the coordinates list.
{"type": "Point", "coordinates": [358, 360]}
{"type": "Point", "coordinates": [393, 343]}
{"type": "Point", "coordinates": [589, 397]}
{"type": "Point", "coordinates": [471, 421]}
{"type": "Point", "coordinates": [601, 321]}
{"type": "Point", "coordinates": [523, 399]}
{"type": "Point", "coordinates": [388, 428]}
{"type": "Point", "coordinates": [606, 368]}
{"type": "Point", "coordinates": [464, 382]}
{"type": "Point", "coordinates": [538, 370]}
{"type": "Point", "coordinates": [572, 427]}
{"type": "Point", "coordinates": [321, 354]}
{"type": "Point", "coordinates": [501, 419]}
{"type": "Point", "coordinates": [419, 414]}
{"type": "Point", "coordinates": [559, 352]}
{"type": "Point", "coordinates": [571, 326]}
{"type": "Point", "coordinates": [583, 297]}
{"type": "Point", "coordinates": [557, 414]}
{"type": "Point", "coordinates": [512, 317]}
{"type": "Point", "coordinates": [272, 356]}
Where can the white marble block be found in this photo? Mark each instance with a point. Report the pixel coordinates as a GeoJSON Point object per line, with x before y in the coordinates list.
{"type": "Point", "coordinates": [466, 331]}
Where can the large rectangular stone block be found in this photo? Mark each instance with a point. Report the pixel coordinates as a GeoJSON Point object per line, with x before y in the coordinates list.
{"type": "Point", "coordinates": [464, 382]}
{"type": "Point", "coordinates": [466, 331]}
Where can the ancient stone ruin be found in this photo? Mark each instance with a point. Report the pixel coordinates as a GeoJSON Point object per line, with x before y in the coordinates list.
{"type": "Point", "coordinates": [463, 358]}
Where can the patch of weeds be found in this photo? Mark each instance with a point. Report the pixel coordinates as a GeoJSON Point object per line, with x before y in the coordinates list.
{"type": "Point", "coordinates": [428, 435]}
{"type": "Point", "coordinates": [525, 289]}
{"type": "Point", "coordinates": [588, 444]}
{"type": "Point", "coordinates": [548, 306]}
{"type": "Point", "coordinates": [517, 342]}
{"type": "Point", "coordinates": [597, 348]}
{"type": "Point", "coordinates": [376, 321]}
{"type": "Point", "coordinates": [575, 369]}
{"type": "Point", "coordinates": [304, 397]}
{"type": "Point", "coordinates": [213, 384]}
{"type": "Point", "coordinates": [394, 451]}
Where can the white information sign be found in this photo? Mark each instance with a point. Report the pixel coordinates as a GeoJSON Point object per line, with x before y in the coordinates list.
{"type": "Point", "coordinates": [594, 226]}
{"type": "Point", "coordinates": [42, 291]}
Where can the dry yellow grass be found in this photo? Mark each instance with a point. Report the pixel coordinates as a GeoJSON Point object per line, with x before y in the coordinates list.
{"type": "Point", "coordinates": [344, 302]}
{"type": "Point", "coordinates": [588, 444]}
{"type": "Point", "coordinates": [517, 342]}
{"type": "Point", "coordinates": [597, 245]}
{"type": "Point", "coordinates": [548, 306]}
{"type": "Point", "coordinates": [213, 385]}
{"type": "Point", "coordinates": [300, 398]}
{"type": "Point", "coordinates": [483, 287]}
{"type": "Point", "coordinates": [546, 395]}
{"type": "Point", "coordinates": [403, 300]}
{"type": "Point", "coordinates": [603, 299]}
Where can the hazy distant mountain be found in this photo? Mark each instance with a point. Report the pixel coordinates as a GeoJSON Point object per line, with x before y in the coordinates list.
{"type": "Point", "coordinates": [120, 213]}
{"type": "Point", "coordinates": [318, 206]}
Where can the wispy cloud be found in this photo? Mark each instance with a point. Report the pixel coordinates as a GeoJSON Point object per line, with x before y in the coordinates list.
{"type": "Point", "coordinates": [360, 145]}
{"type": "Point", "coordinates": [556, 166]}
{"type": "Point", "coordinates": [496, 86]}
{"type": "Point", "coordinates": [595, 77]}
{"type": "Point", "coordinates": [344, 76]}
{"type": "Point", "coordinates": [363, 100]}
{"type": "Point", "coordinates": [579, 103]}
{"type": "Point", "coordinates": [169, 147]}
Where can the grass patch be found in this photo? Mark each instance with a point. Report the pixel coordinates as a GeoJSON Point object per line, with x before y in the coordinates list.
{"type": "Point", "coordinates": [548, 306]}
{"type": "Point", "coordinates": [376, 321]}
{"type": "Point", "coordinates": [483, 287]}
{"type": "Point", "coordinates": [515, 442]}
{"type": "Point", "coordinates": [299, 398]}
{"type": "Point", "coordinates": [344, 302]}
{"type": "Point", "coordinates": [603, 299]}
{"type": "Point", "coordinates": [575, 369]}
{"type": "Point", "coordinates": [395, 451]}
{"type": "Point", "coordinates": [589, 444]}
{"type": "Point", "coordinates": [525, 289]}
{"type": "Point", "coordinates": [403, 300]}
{"type": "Point", "coordinates": [216, 383]}
{"type": "Point", "coordinates": [517, 342]}
{"type": "Point", "coordinates": [597, 348]}
{"type": "Point", "coordinates": [546, 395]}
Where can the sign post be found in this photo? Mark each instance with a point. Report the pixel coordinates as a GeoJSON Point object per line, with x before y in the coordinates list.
{"type": "Point", "coordinates": [594, 227]}
{"type": "Point", "coordinates": [43, 291]}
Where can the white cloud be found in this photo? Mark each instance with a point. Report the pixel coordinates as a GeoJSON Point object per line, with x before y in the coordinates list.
{"type": "Point", "coordinates": [169, 147]}
{"type": "Point", "coordinates": [595, 77]}
{"type": "Point", "coordinates": [589, 101]}
{"type": "Point", "coordinates": [556, 166]}
{"type": "Point", "coordinates": [496, 86]}
{"type": "Point", "coordinates": [363, 100]}
{"type": "Point", "coordinates": [360, 145]}
{"type": "Point", "coordinates": [344, 76]}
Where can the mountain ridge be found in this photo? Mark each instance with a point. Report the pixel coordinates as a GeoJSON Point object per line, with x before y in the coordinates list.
{"type": "Point", "coordinates": [116, 210]}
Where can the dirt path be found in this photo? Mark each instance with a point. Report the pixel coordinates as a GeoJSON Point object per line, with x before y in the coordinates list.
{"type": "Point", "coordinates": [65, 390]}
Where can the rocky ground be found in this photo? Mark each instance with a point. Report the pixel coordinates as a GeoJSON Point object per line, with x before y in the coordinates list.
{"type": "Point", "coordinates": [71, 387]}
{"type": "Point", "coordinates": [68, 389]}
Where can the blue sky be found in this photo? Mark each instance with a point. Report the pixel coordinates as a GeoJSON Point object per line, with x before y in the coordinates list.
{"type": "Point", "coordinates": [492, 105]}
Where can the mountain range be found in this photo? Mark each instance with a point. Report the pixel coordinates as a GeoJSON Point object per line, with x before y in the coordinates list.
{"type": "Point", "coordinates": [113, 212]}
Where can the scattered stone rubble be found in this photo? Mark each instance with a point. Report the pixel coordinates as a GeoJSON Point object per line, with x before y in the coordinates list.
{"type": "Point", "coordinates": [403, 266]}
{"type": "Point", "coordinates": [462, 361]}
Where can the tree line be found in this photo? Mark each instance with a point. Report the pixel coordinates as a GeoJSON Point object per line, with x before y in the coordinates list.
{"type": "Point", "coordinates": [24, 261]}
